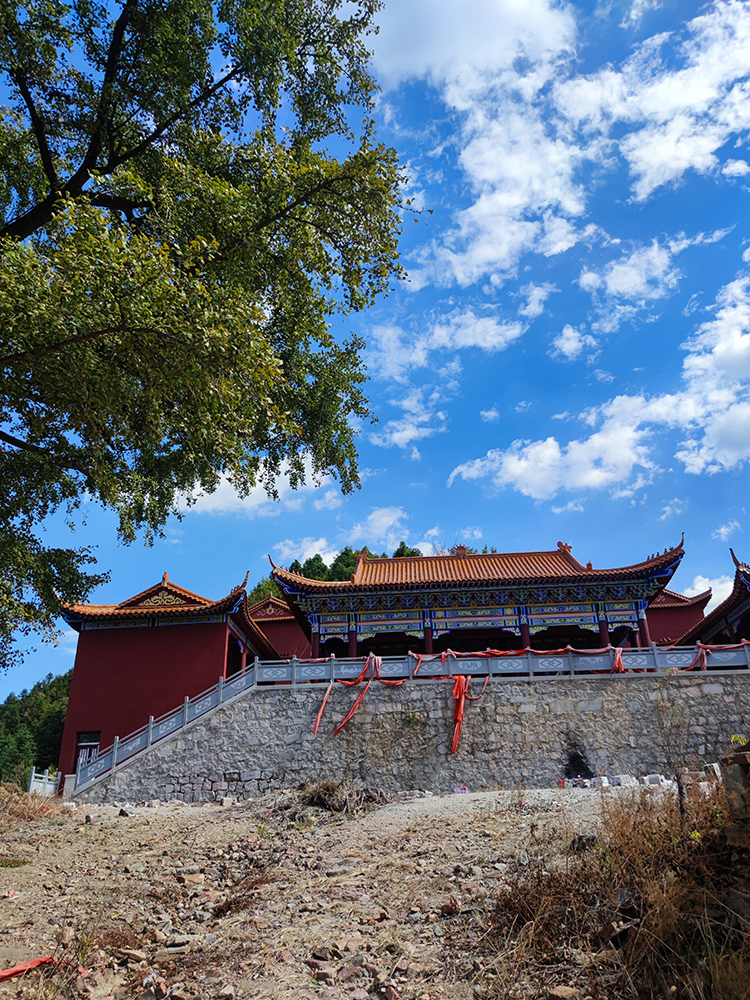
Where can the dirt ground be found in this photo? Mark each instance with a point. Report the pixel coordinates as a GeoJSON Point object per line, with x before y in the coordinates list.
{"type": "Point", "coordinates": [272, 898]}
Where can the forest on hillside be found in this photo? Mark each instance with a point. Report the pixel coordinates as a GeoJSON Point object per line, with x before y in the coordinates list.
{"type": "Point", "coordinates": [31, 728]}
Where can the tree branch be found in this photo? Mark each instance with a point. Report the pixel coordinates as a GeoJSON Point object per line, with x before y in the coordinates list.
{"type": "Point", "coordinates": [75, 185]}
{"type": "Point", "coordinates": [80, 338]}
{"type": "Point", "coordinates": [36, 449]}
{"type": "Point", "coordinates": [40, 214]}
{"type": "Point", "coordinates": [119, 204]}
{"type": "Point", "coordinates": [304, 199]}
{"type": "Point", "coordinates": [143, 145]}
{"type": "Point", "coordinates": [37, 128]}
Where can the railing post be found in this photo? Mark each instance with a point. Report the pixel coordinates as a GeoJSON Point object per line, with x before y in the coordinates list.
{"type": "Point", "coordinates": [115, 747]}
{"type": "Point", "coordinates": [221, 690]}
{"type": "Point", "coordinates": [256, 664]}
{"type": "Point", "coordinates": [529, 663]}
{"type": "Point", "coordinates": [295, 663]}
{"type": "Point", "coordinates": [333, 665]}
{"type": "Point", "coordinates": [747, 655]}
{"type": "Point", "coordinates": [185, 706]}
{"type": "Point", "coordinates": [78, 772]}
{"type": "Point", "coordinates": [31, 779]}
{"type": "Point", "coordinates": [656, 657]}
{"type": "Point", "coordinates": [571, 665]}
{"type": "Point", "coordinates": [150, 735]}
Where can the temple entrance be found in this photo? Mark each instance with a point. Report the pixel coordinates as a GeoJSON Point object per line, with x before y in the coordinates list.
{"type": "Point", "coordinates": [559, 636]}
{"type": "Point", "coordinates": [476, 640]}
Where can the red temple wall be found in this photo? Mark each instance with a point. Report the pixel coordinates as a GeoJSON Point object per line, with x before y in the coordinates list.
{"type": "Point", "coordinates": [121, 676]}
{"type": "Point", "coordinates": [671, 623]}
{"type": "Point", "coordinates": [286, 637]}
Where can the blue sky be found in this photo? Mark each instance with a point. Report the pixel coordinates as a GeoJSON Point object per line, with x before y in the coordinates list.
{"type": "Point", "coordinates": [570, 359]}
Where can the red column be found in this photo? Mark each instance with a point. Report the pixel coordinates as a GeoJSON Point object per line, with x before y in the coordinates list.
{"type": "Point", "coordinates": [603, 630]}
{"type": "Point", "coordinates": [525, 636]}
{"type": "Point", "coordinates": [428, 640]}
{"type": "Point", "coordinates": [315, 645]}
{"type": "Point", "coordinates": [352, 642]}
{"type": "Point", "coordinates": [243, 658]}
{"type": "Point", "coordinates": [643, 632]}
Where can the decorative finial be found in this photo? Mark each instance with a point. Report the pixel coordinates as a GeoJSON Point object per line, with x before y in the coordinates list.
{"type": "Point", "coordinates": [165, 579]}
{"type": "Point", "coordinates": [244, 582]}
{"type": "Point", "coordinates": [461, 550]}
{"type": "Point", "coordinates": [563, 547]}
{"type": "Point", "coordinates": [734, 558]}
{"type": "Point", "coordinates": [588, 565]}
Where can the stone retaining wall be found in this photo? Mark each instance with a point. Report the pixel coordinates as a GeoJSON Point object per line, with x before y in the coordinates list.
{"type": "Point", "coordinates": [519, 732]}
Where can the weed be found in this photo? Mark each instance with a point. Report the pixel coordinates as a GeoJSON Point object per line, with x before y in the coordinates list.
{"type": "Point", "coordinates": [640, 913]}
{"type": "Point", "coordinates": [13, 862]}
{"type": "Point", "coordinates": [17, 806]}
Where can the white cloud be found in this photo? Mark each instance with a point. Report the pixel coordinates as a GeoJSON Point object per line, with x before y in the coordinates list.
{"type": "Point", "coordinates": [382, 526]}
{"type": "Point", "coordinates": [394, 352]}
{"type": "Point", "coordinates": [570, 344]}
{"type": "Point", "coordinates": [725, 531]}
{"type": "Point", "coordinates": [523, 406]}
{"type": "Point", "coordinates": [640, 277]}
{"type": "Point", "coordinates": [226, 500]}
{"type": "Point", "coordinates": [602, 376]}
{"type": "Point", "coordinates": [638, 10]}
{"type": "Point", "coordinates": [416, 455]}
{"type": "Point", "coordinates": [677, 99]}
{"type": "Point", "coordinates": [675, 508]}
{"type": "Point", "coordinates": [465, 329]}
{"type": "Point", "coordinates": [736, 168]}
{"type": "Point", "coordinates": [303, 548]}
{"type": "Point", "coordinates": [644, 274]}
{"type": "Point", "coordinates": [540, 469]}
{"type": "Point", "coordinates": [712, 411]}
{"type": "Point", "coordinates": [490, 416]}
{"type": "Point", "coordinates": [529, 128]}
{"type": "Point", "coordinates": [67, 642]}
{"type": "Point", "coordinates": [571, 507]}
{"type": "Point", "coordinates": [474, 533]}
{"type": "Point", "coordinates": [330, 500]}
{"type": "Point", "coordinates": [536, 296]}
{"type": "Point", "coordinates": [720, 585]}
{"type": "Point", "coordinates": [441, 41]}
{"type": "Point", "coordinates": [421, 420]}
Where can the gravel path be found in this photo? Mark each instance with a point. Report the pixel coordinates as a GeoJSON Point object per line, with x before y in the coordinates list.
{"type": "Point", "coordinates": [271, 899]}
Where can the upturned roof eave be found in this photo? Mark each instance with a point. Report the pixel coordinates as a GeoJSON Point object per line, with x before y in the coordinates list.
{"type": "Point", "coordinates": [638, 570]}
{"type": "Point", "coordinates": [737, 597]}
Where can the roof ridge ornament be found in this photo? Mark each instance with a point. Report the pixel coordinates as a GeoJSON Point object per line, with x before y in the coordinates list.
{"type": "Point", "coordinates": [734, 558]}
{"type": "Point", "coordinates": [165, 578]}
{"type": "Point", "coordinates": [564, 547]}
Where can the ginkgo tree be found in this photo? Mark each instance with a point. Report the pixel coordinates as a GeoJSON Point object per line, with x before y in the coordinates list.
{"type": "Point", "coordinates": [190, 191]}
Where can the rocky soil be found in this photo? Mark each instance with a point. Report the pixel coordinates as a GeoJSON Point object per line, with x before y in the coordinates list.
{"type": "Point", "coordinates": [272, 898]}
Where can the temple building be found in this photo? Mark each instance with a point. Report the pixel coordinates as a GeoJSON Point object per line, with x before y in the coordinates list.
{"type": "Point", "coordinates": [469, 602]}
{"type": "Point", "coordinates": [142, 657]}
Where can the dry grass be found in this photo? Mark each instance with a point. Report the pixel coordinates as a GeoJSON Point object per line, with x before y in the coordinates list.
{"type": "Point", "coordinates": [638, 912]}
{"type": "Point", "coordinates": [17, 806]}
{"type": "Point", "coordinates": [342, 796]}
